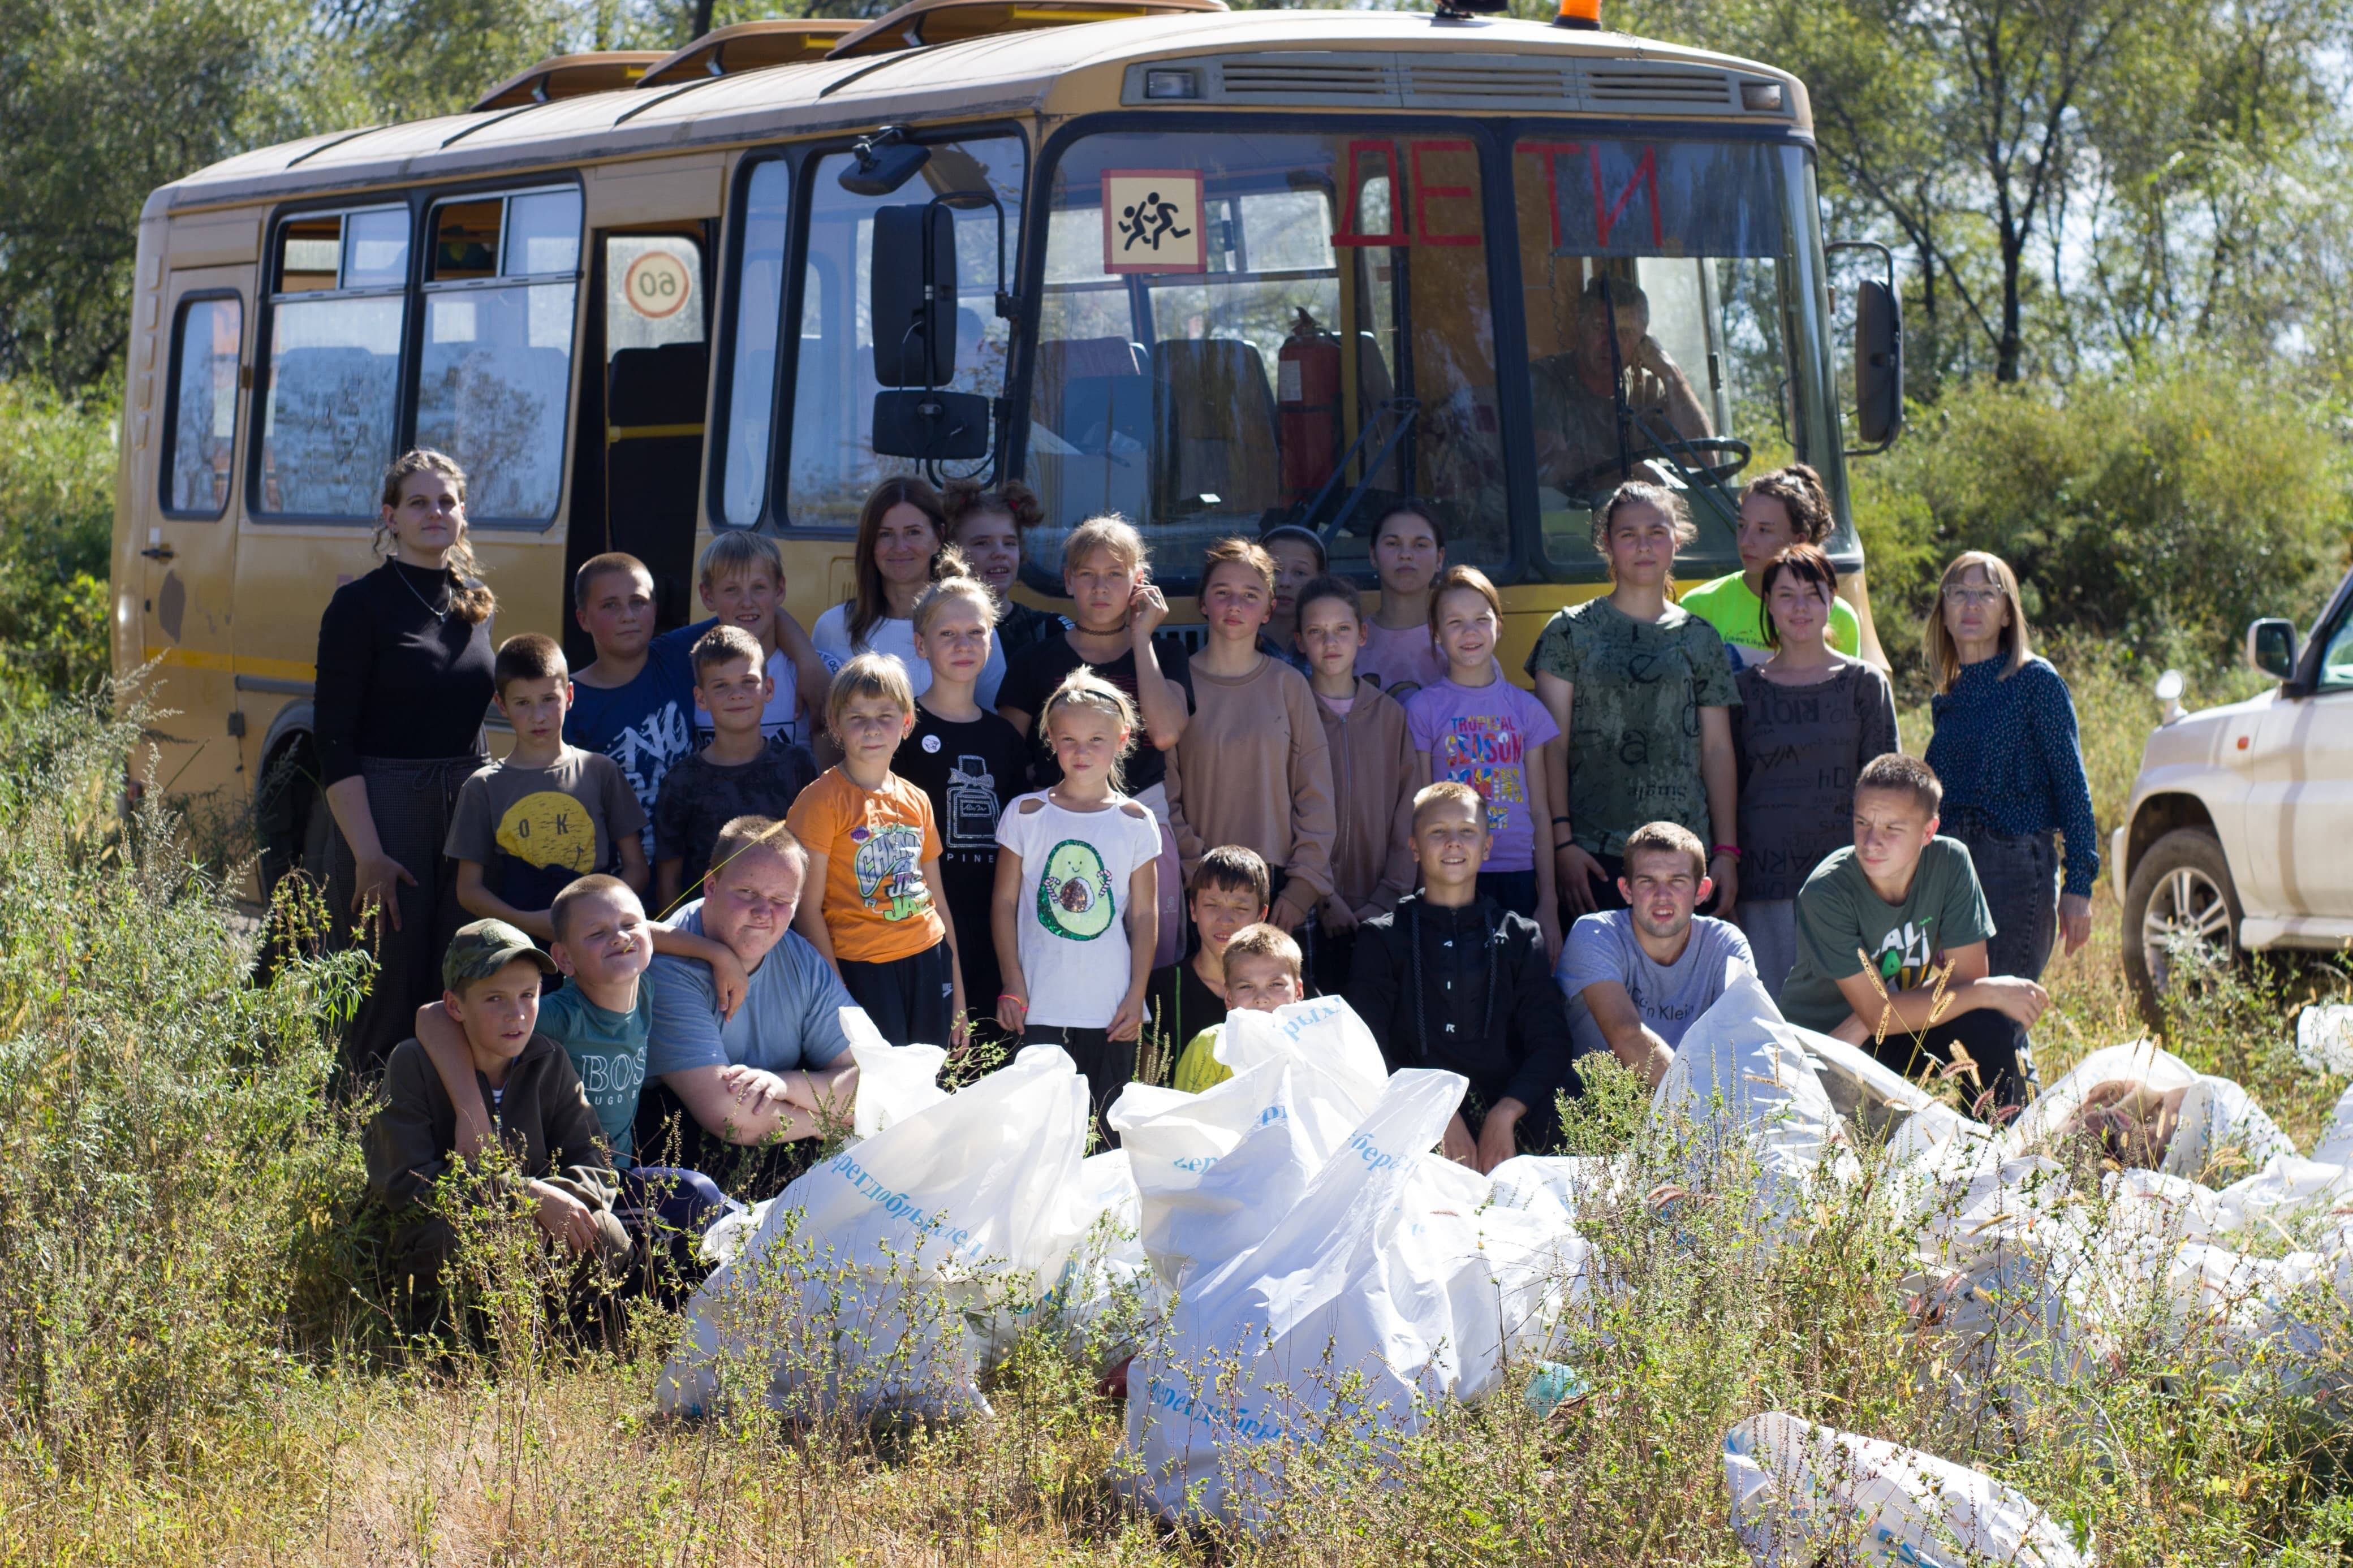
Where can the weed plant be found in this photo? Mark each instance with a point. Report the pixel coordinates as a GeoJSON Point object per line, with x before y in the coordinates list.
{"type": "Point", "coordinates": [194, 1366]}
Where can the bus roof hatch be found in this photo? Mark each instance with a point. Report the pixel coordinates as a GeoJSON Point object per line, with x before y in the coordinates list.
{"type": "Point", "coordinates": [750, 46]}
{"type": "Point", "coordinates": [569, 75]}
{"type": "Point", "coordinates": [921, 23]}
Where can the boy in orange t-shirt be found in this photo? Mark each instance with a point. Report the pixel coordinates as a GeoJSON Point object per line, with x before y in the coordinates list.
{"type": "Point", "coordinates": [874, 855]}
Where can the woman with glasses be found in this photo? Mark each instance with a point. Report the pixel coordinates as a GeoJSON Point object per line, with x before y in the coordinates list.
{"type": "Point", "coordinates": [2005, 747]}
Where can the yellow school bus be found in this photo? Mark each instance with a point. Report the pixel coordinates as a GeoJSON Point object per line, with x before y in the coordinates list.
{"type": "Point", "coordinates": [1210, 270]}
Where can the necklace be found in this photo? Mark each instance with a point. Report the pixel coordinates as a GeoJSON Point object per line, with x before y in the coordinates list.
{"type": "Point", "coordinates": [441, 615]}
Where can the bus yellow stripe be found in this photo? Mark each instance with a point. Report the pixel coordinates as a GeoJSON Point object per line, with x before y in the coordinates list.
{"type": "Point", "coordinates": [222, 664]}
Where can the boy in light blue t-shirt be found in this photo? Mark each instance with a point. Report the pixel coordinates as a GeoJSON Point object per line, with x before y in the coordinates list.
{"type": "Point", "coordinates": [603, 1018]}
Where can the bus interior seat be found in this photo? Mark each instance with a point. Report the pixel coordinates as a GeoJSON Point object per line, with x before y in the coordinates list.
{"type": "Point", "coordinates": [1214, 416]}
{"type": "Point", "coordinates": [1099, 411]}
{"type": "Point", "coordinates": [653, 403]}
{"type": "Point", "coordinates": [1064, 361]}
{"type": "Point", "coordinates": [331, 412]}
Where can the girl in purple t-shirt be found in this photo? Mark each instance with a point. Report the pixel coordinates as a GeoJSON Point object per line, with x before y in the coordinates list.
{"type": "Point", "coordinates": [1473, 727]}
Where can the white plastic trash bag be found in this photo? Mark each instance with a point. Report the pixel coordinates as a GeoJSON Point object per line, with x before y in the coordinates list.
{"type": "Point", "coordinates": [890, 1275]}
{"type": "Point", "coordinates": [2152, 1109]}
{"type": "Point", "coordinates": [1742, 1080]}
{"type": "Point", "coordinates": [1106, 1297]}
{"type": "Point", "coordinates": [1370, 1301]}
{"type": "Point", "coordinates": [894, 1082]}
{"type": "Point", "coordinates": [1216, 1170]}
{"type": "Point", "coordinates": [1803, 1494]}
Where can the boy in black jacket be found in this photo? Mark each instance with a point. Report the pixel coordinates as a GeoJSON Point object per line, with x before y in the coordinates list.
{"type": "Point", "coordinates": [1452, 979]}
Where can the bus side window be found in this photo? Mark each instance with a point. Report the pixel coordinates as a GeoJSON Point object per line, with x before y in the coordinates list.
{"type": "Point", "coordinates": [331, 403]}
{"type": "Point", "coordinates": [833, 462]}
{"type": "Point", "coordinates": [495, 382]}
{"type": "Point", "coordinates": [202, 433]}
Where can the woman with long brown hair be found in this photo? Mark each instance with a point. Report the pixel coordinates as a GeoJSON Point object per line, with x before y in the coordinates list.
{"type": "Point", "coordinates": [901, 531]}
{"type": "Point", "coordinates": [403, 679]}
{"type": "Point", "coordinates": [2012, 767]}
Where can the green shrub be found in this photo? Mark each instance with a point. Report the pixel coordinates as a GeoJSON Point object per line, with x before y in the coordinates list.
{"type": "Point", "coordinates": [2164, 510]}
{"type": "Point", "coordinates": [56, 518]}
{"type": "Point", "coordinates": [173, 1187]}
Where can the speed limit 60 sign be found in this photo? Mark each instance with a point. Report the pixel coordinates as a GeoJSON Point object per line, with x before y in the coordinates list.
{"type": "Point", "coordinates": [657, 284]}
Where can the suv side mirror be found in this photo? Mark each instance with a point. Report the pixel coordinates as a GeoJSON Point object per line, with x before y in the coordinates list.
{"type": "Point", "coordinates": [913, 295]}
{"type": "Point", "coordinates": [2271, 646]}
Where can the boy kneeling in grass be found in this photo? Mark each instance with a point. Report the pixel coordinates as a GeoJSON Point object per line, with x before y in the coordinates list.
{"type": "Point", "coordinates": [1263, 972]}
{"type": "Point", "coordinates": [536, 1110]}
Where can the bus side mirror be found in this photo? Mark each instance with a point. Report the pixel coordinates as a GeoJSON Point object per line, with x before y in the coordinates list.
{"type": "Point", "coordinates": [913, 295]}
{"type": "Point", "coordinates": [935, 426]}
{"type": "Point", "coordinates": [1878, 363]}
{"type": "Point", "coordinates": [2271, 646]}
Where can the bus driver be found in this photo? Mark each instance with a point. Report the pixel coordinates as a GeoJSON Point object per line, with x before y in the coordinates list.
{"type": "Point", "coordinates": [1576, 414]}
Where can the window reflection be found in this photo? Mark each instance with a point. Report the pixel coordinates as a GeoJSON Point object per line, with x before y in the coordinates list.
{"type": "Point", "coordinates": [833, 460]}
{"type": "Point", "coordinates": [204, 412]}
{"type": "Point", "coordinates": [494, 378]}
{"type": "Point", "coordinates": [1328, 330]}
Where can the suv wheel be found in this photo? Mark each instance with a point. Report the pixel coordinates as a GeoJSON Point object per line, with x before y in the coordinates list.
{"type": "Point", "coordinates": [2178, 906]}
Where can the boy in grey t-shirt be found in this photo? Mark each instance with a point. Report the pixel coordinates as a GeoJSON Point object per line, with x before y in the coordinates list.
{"type": "Point", "coordinates": [1636, 978]}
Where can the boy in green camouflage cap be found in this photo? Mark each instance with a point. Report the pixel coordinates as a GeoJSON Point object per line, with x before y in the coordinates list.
{"type": "Point", "coordinates": [529, 1103]}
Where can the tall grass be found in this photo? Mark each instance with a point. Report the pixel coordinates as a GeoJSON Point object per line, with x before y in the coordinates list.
{"type": "Point", "coordinates": [192, 1370]}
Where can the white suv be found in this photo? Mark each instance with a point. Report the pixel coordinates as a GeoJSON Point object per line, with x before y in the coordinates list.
{"type": "Point", "coordinates": [2239, 836]}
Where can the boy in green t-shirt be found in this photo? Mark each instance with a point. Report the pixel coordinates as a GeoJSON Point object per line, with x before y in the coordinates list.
{"type": "Point", "coordinates": [1263, 972]}
{"type": "Point", "coordinates": [1892, 945]}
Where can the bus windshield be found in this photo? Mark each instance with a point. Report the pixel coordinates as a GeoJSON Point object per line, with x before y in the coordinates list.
{"type": "Point", "coordinates": [1240, 327]}
{"type": "Point", "coordinates": [1674, 320]}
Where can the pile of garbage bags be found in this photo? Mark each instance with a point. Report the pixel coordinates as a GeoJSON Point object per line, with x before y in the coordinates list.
{"type": "Point", "coordinates": [1285, 1258]}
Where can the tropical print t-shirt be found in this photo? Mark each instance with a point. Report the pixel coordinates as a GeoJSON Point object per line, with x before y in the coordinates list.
{"type": "Point", "coordinates": [1487, 737]}
{"type": "Point", "coordinates": [1843, 926]}
{"type": "Point", "coordinates": [876, 843]}
{"type": "Point", "coordinates": [1073, 937]}
{"type": "Point", "coordinates": [1634, 729]}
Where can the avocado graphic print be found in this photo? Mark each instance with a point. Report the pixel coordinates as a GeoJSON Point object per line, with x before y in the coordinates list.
{"type": "Point", "coordinates": [1074, 896]}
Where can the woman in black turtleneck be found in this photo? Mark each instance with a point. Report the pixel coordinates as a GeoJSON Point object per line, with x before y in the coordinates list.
{"type": "Point", "coordinates": [404, 681]}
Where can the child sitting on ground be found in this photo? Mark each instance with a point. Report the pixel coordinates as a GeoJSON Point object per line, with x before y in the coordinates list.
{"type": "Point", "coordinates": [874, 866]}
{"type": "Point", "coordinates": [739, 774]}
{"type": "Point", "coordinates": [1262, 975]}
{"type": "Point", "coordinates": [602, 1018]}
{"type": "Point", "coordinates": [528, 1100]}
{"type": "Point", "coordinates": [1074, 962]}
{"type": "Point", "coordinates": [1228, 892]}
{"type": "Point", "coordinates": [525, 827]}
{"type": "Point", "coordinates": [1451, 979]}
{"type": "Point", "coordinates": [1892, 935]}
{"type": "Point", "coordinates": [1253, 767]}
{"type": "Point", "coordinates": [1373, 777]}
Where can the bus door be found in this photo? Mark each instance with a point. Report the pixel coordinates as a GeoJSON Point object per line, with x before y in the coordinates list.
{"type": "Point", "coordinates": [189, 548]}
{"type": "Point", "coordinates": [657, 379]}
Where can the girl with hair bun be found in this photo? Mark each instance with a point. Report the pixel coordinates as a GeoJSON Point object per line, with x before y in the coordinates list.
{"type": "Point", "coordinates": [404, 678]}
{"type": "Point", "coordinates": [1786, 506]}
{"type": "Point", "coordinates": [987, 525]}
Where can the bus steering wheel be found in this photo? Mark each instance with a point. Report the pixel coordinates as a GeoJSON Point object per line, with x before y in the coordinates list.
{"type": "Point", "coordinates": [1731, 456]}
